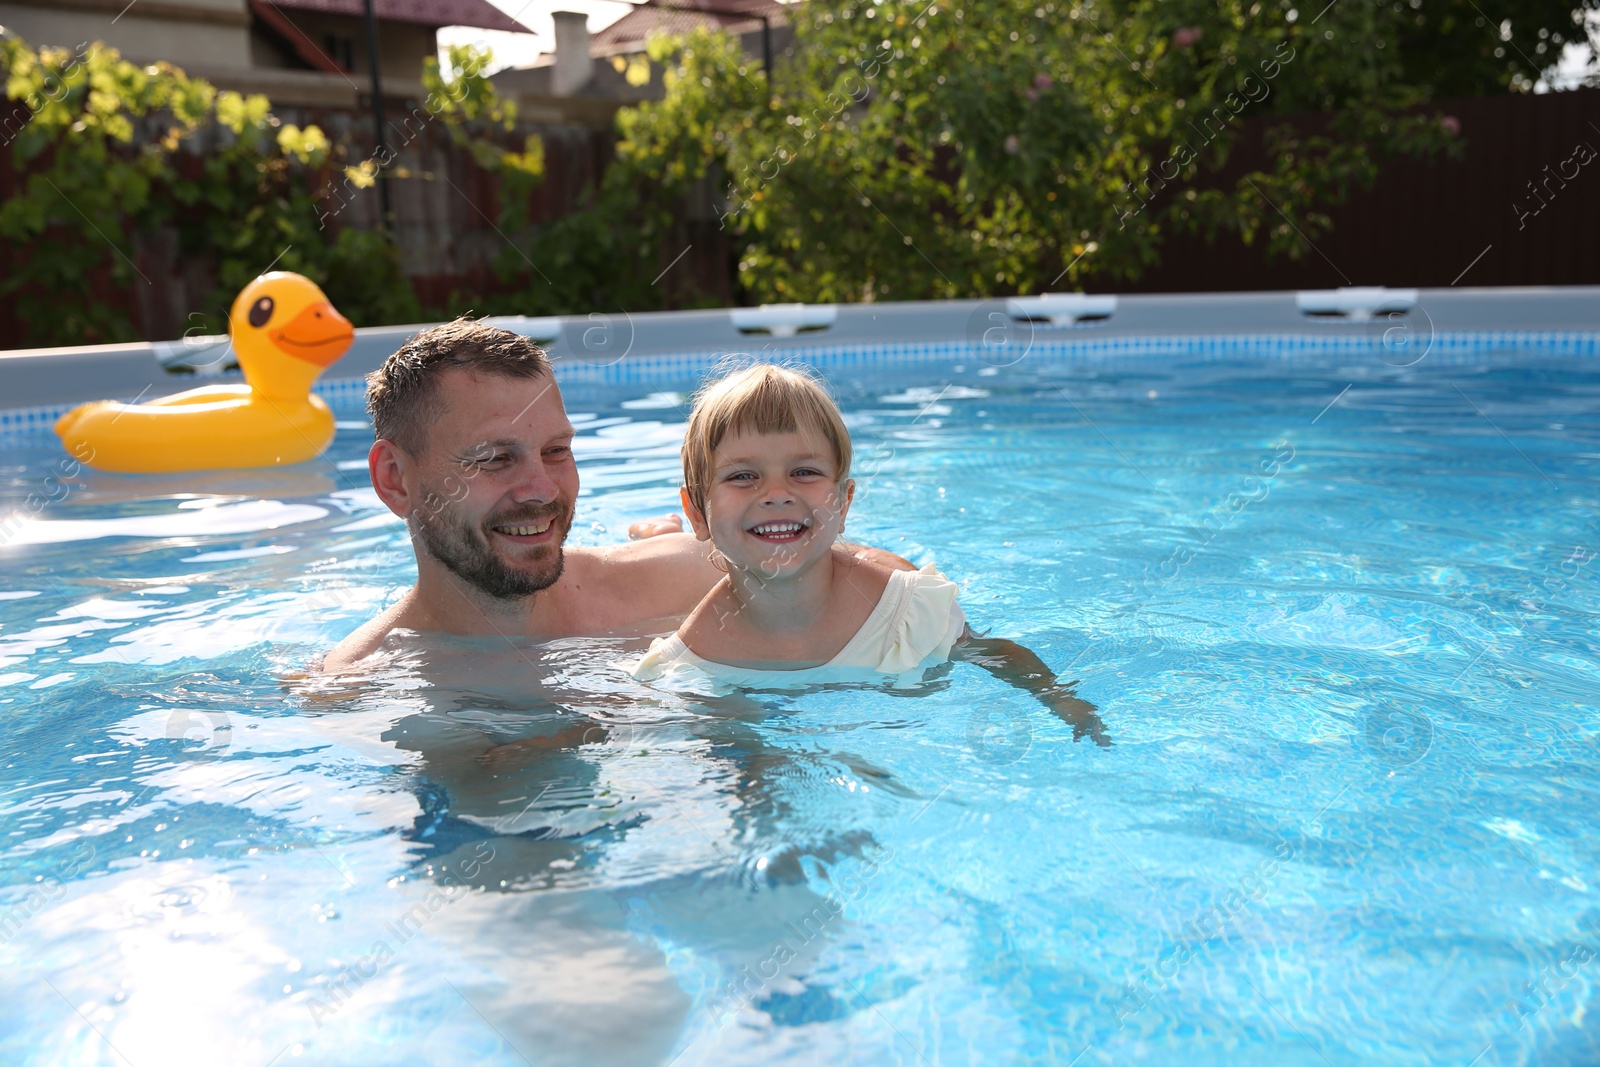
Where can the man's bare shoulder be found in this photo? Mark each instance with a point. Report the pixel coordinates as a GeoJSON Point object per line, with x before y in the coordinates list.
{"type": "Point", "coordinates": [365, 640]}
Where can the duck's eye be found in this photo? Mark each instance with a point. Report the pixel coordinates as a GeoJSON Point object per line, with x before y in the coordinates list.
{"type": "Point", "coordinates": [260, 312]}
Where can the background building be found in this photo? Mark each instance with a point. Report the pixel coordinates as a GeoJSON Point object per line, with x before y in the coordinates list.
{"type": "Point", "coordinates": [595, 67]}
{"type": "Point", "coordinates": [305, 52]}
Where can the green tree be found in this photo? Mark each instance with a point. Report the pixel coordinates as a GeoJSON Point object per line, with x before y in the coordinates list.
{"type": "Point", "coordinates": [607, 254]}
{"type": "Point", "coordinates": [1013, 145]}
{"type": "Point", "coordinates": [72, 134]}
{"type": "Point", "coordinates": [111, 155]}
{"type": "Point", "coordinates": [1457, 48]}
{"type": "Point", "coordinates": [964, 147]}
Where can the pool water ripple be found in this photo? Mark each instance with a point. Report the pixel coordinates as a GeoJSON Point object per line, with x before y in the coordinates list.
{"type": "Point", "coordinates": [1343, 640]}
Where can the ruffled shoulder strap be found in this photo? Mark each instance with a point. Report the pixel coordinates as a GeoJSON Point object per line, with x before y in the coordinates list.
{"type": "Point", "coordinates": [926, 624]}
{"type": "Point", "coordinates": [665, 653]}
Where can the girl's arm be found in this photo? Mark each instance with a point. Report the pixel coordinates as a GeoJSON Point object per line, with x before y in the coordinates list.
{"type": "Point", "coordinates": [1017, 665]}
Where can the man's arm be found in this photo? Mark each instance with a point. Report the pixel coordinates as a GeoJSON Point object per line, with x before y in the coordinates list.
{"type": "Point", "coordinates": [405, 613]}
{"type": "Point", "coordinates": [664, 576]}
{"type": "Point", "coordinates": [671, 524]}
{"type": "Point", "coordinates": [360, 644]}
{"type": "Point", "coordinates": [667, 575]}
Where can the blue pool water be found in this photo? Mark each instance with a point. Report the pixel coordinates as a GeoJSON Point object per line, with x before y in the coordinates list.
{"type": "Point", "coordinates": [1339, 618]}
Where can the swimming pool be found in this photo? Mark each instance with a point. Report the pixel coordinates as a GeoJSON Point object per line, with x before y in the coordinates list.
{"type": "Point", "coordinates": [1339, 617]}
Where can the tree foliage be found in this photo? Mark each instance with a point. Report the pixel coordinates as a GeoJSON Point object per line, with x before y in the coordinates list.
{"type": "Point", "coordinates": [607, 254]}
{"type": "Point", "coordinates": [965, 147]}
{"type": "Point", "coordinates": [1460, 48]}
{"type": "Point", "coordinates": [112, 158]}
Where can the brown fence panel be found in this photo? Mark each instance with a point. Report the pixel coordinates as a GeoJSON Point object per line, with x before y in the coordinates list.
{"type": "Point", "coordinates": [1521, 208]}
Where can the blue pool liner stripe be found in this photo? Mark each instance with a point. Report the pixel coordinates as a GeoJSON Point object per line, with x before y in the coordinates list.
{"type": "Point", "coordinates": [1454, 348]}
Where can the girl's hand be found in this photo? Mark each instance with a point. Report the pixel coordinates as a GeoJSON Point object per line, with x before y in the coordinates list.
{"type": "Point", "coordinates": [1077, 713]}
{"type": "Point", "coordinates": [1017, 666]}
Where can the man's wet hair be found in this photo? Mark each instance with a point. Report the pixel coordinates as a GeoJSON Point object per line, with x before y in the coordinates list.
{"type": "Point", "coordinates": [403, 394]}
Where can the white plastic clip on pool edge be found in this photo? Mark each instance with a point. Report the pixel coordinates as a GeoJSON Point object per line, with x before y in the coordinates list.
{"type": "Point", "coordinates": [207, 356]}
{"type": "Point", "coordinates": [1355, 302]}
{"type": "Point", "coordinates": [1062, 309]}
{"type": "Point", "coordinates": [783, 320]}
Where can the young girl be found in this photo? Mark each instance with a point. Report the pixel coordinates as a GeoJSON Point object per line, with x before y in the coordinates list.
{"type": "Point", "coordinates": [766, 471]}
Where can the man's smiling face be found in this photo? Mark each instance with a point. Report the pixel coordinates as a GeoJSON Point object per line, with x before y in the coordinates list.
{"type": "Point", "coordinates": [496, 483]}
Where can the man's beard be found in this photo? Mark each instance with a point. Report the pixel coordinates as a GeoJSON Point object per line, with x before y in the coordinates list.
{"type": "Point", "coordinates": [465, 550]}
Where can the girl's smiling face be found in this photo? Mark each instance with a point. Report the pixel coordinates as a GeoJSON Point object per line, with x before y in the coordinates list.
{"type": "Point", "coordinates": [775, 504]}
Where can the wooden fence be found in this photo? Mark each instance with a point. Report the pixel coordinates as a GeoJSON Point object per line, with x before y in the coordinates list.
{"type": "Point", "coordinates": [1521, 208]}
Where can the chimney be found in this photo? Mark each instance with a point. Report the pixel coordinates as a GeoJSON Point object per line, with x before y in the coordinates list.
{"type": "Point", "coordinates": [573, 64]}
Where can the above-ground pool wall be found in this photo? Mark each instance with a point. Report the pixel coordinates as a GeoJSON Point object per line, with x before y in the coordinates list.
{"type": "Point", "coordinates": [36, 383]}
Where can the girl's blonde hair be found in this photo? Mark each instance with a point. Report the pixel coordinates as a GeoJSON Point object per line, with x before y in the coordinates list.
{"type": "Point", "coordinates": [764, 398]}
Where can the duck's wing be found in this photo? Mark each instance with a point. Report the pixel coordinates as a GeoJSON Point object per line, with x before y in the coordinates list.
{"type": "Point", "coordinates": [204, 395]}
{"type": "Point", "coordinates": [196, 433]}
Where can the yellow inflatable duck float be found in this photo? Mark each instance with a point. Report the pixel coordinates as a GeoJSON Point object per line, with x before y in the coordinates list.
{"type": "Point", "coordinates": [285, 333]}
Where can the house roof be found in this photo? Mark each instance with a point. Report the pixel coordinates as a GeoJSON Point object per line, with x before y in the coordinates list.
{"type": "Point", "coordinates": [628, 33]}
{"type": "Point", "coordinates": [479, 14]}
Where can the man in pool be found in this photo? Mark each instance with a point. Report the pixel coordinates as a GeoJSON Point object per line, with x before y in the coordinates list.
{"type": "Point", "coordinates": [474, 452]}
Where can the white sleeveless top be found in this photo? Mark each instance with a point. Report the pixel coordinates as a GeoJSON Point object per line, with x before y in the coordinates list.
{"type": "Point", "coordinates": [913, 627]}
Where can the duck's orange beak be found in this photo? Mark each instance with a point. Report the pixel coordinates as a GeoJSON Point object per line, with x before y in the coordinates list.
{"type": "Point", "coordinates": [318, 335]}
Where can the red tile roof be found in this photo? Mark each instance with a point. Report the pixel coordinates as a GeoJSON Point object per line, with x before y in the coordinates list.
{"type": "Point", "coordinates": [479, 14]}
{"type": "Point", "coordinates": [628, 33]}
